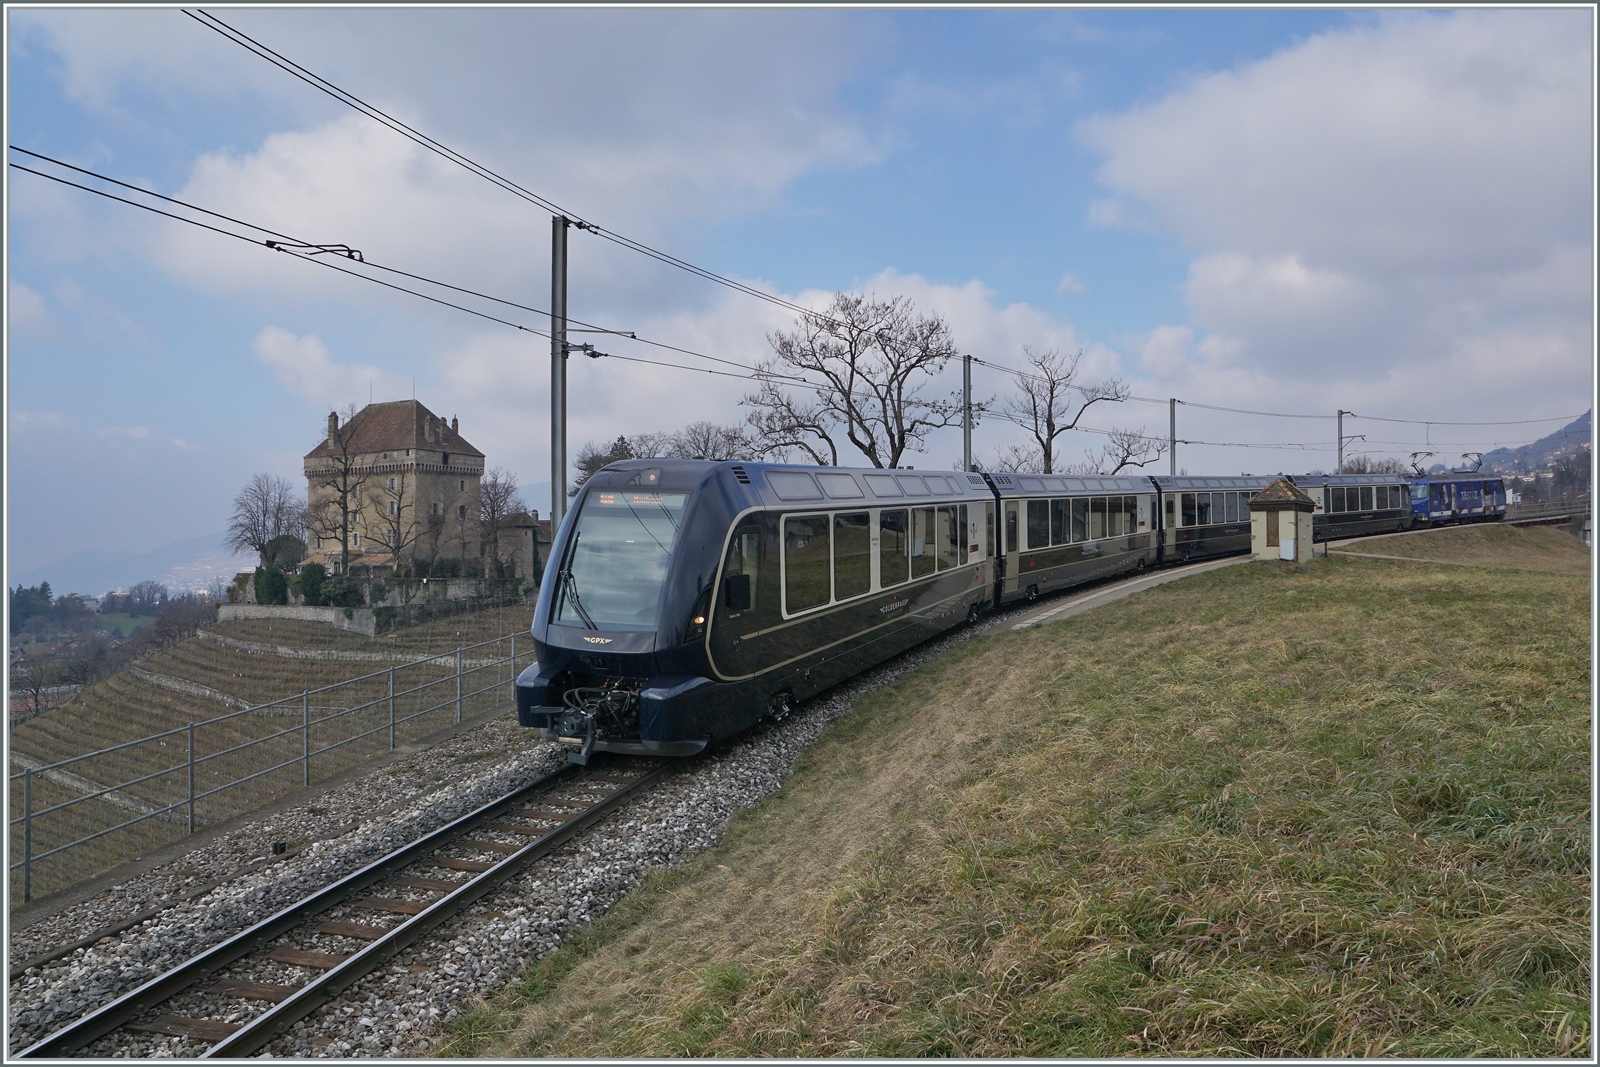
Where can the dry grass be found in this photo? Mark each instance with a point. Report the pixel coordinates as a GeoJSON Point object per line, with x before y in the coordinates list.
{"type": "Point", "coordinates": [1527, 548]}
{"type": "Point", "coordinates": [1270, 810]}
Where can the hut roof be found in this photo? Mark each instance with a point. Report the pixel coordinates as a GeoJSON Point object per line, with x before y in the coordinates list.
{"type": "Point", "coordinates": [1282, 491]}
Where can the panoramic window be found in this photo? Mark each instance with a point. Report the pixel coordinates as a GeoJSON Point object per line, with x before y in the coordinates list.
{"type": "Point", "coordinates": [1060, 522]}
{"type": "Point", "coordinates": [1038, 523]}
{"type": "Point", "coordinates": [947, 534]}
{"type": "Point", "coordinates": [1232, 502]}
{"type": "Point", "coordinates": [1366, 498]}
{"type": "Point", "coordinates": [618, 560]}
{"type": "Point", "coordinates": [852, 554]}
{"type": "Point", "coordinates": [806, 560]}
{"type": "Point", "coordinates": [1080, 519]}
{"type": "Point", "coordinates": [922, 542]}
{"type": "Point", "coordinates": [1097, 518]}
{"type": "Point", "coordinates": [1188, 509]}
{"type": "Point", "coordinates": [894, 548]}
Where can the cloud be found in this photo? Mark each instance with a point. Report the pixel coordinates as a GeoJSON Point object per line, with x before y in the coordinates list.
{"type": "Point", "coordinates": [1374, 205]}
{"type": "Point", "coordinates": [25, 311]}
{"type": "Point", "coordinates": [720, 112]}
{"type": "Point", "coordinates": [1105, 212]}
{"type": "Point", "coordinates": [1069, 283]}
{"type": "Point", "coordinates": [302, 365]}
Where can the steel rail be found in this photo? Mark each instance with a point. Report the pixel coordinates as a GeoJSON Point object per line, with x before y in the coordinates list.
{"type": "Point", "coordinates": [267, 1027]}
{"type": "Point", "coordinates": [112, 1016]}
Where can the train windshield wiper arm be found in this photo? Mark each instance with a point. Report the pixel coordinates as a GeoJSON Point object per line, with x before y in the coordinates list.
{"type": "Point", "coordinates": [570, 585]}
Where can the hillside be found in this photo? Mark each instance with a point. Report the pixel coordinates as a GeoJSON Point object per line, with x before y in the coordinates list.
{"type": "Point", "coordinates": [1331, 810]}
{"type": "Point", "coordinates": [218, 679]}
{"type": "Point", "coordinates": [1523, 548]}
{"type": "Point", "coordinates": [1542, 452]}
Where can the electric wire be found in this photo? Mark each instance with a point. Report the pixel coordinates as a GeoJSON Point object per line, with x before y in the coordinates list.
{"type": "Point", "coordinates": [357, 255]}
{"type": "Point", "coordinates": [249, 43]}
{"type": "Point", "coordinates": [755, 375]}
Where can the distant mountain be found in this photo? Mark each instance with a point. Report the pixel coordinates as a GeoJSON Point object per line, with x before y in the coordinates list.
{"type": "Point", "coordinates": [1539, 454]}
{"type": "Point", "coordinates": [180, 566]}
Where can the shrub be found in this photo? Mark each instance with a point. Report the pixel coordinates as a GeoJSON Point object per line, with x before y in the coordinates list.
{"type": "Point", "coordinates": [313, 579]}
{"type": "Point", "coordinates": [271, 586]}
{"type": "Point", "coordinates": [377, 593]}
{"type": "Point", "coordinates": [343, 591]}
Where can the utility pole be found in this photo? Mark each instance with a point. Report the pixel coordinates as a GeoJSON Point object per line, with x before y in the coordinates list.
{"type": "Point", "coordinates": [1172, 436]}
{"type": "Point", "coordinates": [966, 413]}
{"type": "Point", "coordinates": [558, 369]}
{"type": "Point", "coordinates": [1343, 440]}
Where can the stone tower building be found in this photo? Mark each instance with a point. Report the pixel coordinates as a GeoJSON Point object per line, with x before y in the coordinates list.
{"type": "Point", "coordinates": [395, 484]}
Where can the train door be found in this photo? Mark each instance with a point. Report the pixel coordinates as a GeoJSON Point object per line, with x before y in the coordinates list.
{"type": "Point", "coordinates": [1013, 552]}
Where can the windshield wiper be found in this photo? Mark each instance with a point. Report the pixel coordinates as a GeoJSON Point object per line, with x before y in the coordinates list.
{"type": "Point", "coordinates": [570, 585]}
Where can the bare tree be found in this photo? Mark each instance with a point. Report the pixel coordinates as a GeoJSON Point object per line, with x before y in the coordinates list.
{"type": "Point", "coordinates": [392, 524]}
{"type": "Point", "coordinates": [1122, 449]}
{"type": "Point", "coordinates": [704, 440]}
{"type": "Point", "coordinates": [592, 457]}
{"type": "Point", "coordinates": [1016, 458]}
{"type": "Point", "coordinates": [871, 360]}
{"type": "Point", "coordinates": [782, 423]}
{"type": "Point", "coordinates": [265, 509]}
{"type": "Point", "coordinates": [1376, 465]}
{"type": "Point", "coordinates": [1049, 402]}
{"type": "Point", "coordinates": [650, 446]}
{"type": "Point", "coordinates": [498, 500]}
{"type": "Point", "coordinates": [342, 481]}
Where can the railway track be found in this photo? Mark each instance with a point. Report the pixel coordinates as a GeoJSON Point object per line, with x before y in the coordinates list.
{"type": "Point", "coordinates": [319, 946]}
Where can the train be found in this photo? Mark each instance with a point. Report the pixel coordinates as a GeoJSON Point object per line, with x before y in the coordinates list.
{"type": "Point", "coordinates": [686, 601]}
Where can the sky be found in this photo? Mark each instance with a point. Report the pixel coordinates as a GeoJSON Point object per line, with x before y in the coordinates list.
{"type": "Point", "coordinates": [1296, 212]}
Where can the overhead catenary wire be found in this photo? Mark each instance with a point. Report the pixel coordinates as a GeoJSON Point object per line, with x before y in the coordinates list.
{"type": "Point", "coordinates": [308, 251]}
{"type": "Point", "coordinates": [281, 61]}
{"type": "Point", "coordinates": [357, 255]}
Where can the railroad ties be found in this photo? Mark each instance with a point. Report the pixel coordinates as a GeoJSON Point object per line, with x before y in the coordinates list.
{"type": "Point", "coordinates": [237, 997]}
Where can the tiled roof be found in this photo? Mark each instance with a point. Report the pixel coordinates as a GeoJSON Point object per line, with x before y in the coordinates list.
{"type": "Point", "coordinates": [398, 424]}
{"type": "Point", "coordinates": [1282, 491]}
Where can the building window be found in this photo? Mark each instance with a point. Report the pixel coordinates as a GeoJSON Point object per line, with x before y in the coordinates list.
{"type": "Point", "coordinates": [436, 508]}
{"type": "Point", "coordinates": [391, 484]}
{"type": "Point", "coordinates": [393, 508]}
{"type": "Point", "coordinates": [461, 485]}
{"type": "Point", "coordinates": [355, 539]}
{"type": "Point", "coordinates": [461, 511]}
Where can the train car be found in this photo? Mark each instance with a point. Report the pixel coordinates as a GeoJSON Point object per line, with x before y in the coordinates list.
{"type": "Point", "coordinates": [1204, 517]}
{"type": "Point", "coordinates": [1354, 505]}
{"type": "Point", "coordinates": [1058, 531]}
{"type": "Point", "coordinates": [686, 600]}
{"type": "Point", "coordinates": [1465, 497]}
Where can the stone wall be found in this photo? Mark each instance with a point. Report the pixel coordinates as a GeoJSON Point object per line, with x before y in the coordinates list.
{"type": "Point", "coordinates": [356, 620]}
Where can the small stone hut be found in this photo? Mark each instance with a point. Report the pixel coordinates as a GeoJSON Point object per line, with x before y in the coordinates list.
{"type": "Point", "coordinates": [1280, 522]}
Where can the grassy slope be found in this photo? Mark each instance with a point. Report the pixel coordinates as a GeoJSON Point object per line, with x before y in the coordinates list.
{"type": "Point", "coordinates": [1269, 810]}
{"type": "Point", "coordinates": [1536, 548]}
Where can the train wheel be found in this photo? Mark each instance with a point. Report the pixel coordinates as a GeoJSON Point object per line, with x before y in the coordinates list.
{"type": "Point", "coordinates": [780, 706]}
{"type": "Point", "coordinates": [972, 614]}
{"type": "Point", "coordinates": [1032, 594]}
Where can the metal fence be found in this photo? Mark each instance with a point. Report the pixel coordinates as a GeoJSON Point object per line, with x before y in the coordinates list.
{"type": "Point", "coordinates": [1577, 506]}
{"type": "Point", "coordinates": [74, 825]}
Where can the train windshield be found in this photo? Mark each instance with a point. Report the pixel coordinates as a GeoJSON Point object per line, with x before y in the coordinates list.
{"type": "Point", "coordinates": [620, 550]}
